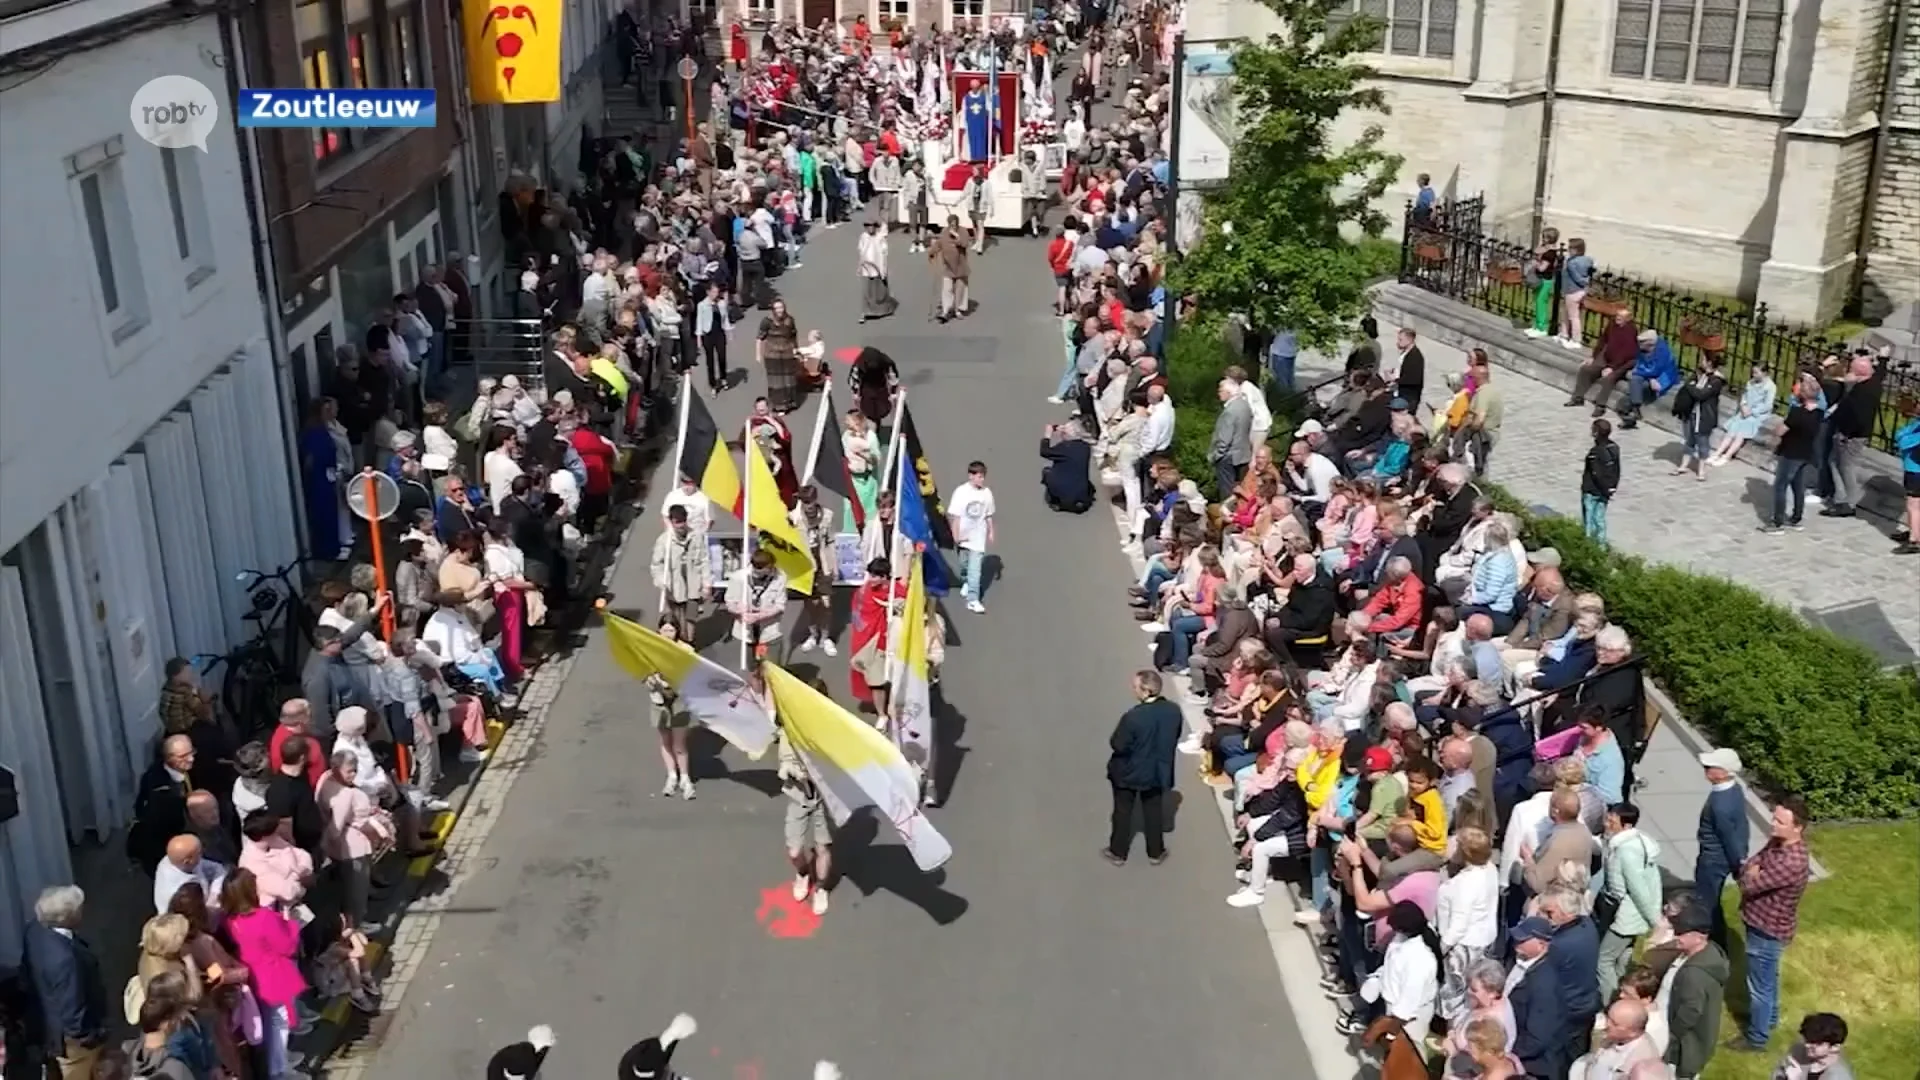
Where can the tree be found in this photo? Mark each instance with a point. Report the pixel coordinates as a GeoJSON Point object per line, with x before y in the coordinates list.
{"type": "Point", "coordinates": [1272, 246]}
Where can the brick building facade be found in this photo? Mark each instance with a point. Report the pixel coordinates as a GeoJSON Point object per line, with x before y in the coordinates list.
{"type": "Point", "coordinates": [355, 215]}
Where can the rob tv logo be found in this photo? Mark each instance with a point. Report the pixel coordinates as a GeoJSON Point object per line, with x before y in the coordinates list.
{"type": "Point", "coordinates": [175, 112]}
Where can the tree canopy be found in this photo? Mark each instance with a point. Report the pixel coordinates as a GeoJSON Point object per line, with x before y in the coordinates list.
{"type": "Point", "coordinates": [1275, 243]}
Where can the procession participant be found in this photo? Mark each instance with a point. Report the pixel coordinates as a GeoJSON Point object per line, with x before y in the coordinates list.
{"type": "Point", "coordinates": [775, 440]}
{"type": "Point", "coordinates": [816, 610]}
{"type": "Point", "coordinates": [875, 604]}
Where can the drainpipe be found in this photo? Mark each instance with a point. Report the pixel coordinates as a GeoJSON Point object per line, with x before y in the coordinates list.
{"type": "Point", "coordinates": [1546, 122]}
{"type": "Point", "coordinates": [1169, 313]}
{"type": "Point", "coordinates": [1882, 146]}
{"type": "Point", "coordinates": [247, 144]}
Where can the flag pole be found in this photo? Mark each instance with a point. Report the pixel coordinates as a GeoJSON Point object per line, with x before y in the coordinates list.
{"type": "Point", "coordinates": [746, 532]}
{"type": "Point", "coordinates": [679, 453]}
{"type": "Point", "coordinates": [895, 636]}
{"type": "Point", "coordinates": [893, 440]}
{"type": "Point", "coordinates": [819, 433]}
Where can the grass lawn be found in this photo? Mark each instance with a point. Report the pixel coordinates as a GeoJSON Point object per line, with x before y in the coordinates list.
{"type": "Point", "coordinates": [1857, 954]}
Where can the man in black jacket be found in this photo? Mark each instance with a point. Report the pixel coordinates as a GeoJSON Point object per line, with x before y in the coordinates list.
{"type": "Point", "coordinates": [1309, 610]}
{"type": "Point", "coordinates": [1458, 507]}
{"type": "Point", "coordinates": [160, 805]}
{"type": "Point", "coordinates": [1140, 768]}
{"type": "Point", "coordinates": [1410, 379]}
{"type": "Point", "coordinates": [66, 984]}
{"type": "Point", "coordinates": [1067, 478]}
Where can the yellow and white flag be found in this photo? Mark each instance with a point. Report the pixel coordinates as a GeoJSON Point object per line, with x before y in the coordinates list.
{"type": "Point", "coordinates": [718, 698]}
{"type": "Point", "coordinates": [913, 718]}
{"type": "Point", "coordinates": [855, 766]}
{"type": "Point", "coordinates": [767, 512]}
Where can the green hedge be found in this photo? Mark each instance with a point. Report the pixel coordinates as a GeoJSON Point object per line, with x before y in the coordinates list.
{"type": "Point", "coordinates": [1810, 712]}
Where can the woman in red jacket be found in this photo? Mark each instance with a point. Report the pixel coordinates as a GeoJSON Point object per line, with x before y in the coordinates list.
{"type": "Point", "coordinates": [599, 456]}
{"type": "Point", "coordinates": [737, 46]}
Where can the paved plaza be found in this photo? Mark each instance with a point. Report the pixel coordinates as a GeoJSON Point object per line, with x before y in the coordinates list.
{"type": "Point", "coordinates": [586, 901]}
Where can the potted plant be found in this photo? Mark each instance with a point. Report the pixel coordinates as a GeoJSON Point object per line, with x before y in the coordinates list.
{"type": "Point", "coordinates": [1507, 272]}
{"type": "Point", "coordinates": [1427, 249]}
{"type": "Point", "coordinates": [1705, 332]}
{"type": "Point", "coordinates": [1604, 300]}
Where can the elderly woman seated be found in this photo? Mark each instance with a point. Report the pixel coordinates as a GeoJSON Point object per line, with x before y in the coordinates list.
{"type": "Point", "coordinates": [1345, 690]}
{"type": "Point", "coordinates": [1524, 663]}
{"type": "Point", "coordinates": [1495, 578]}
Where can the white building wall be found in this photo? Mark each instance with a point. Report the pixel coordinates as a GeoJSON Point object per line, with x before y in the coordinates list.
{"type": "Point", "coordinates": [142, 453]}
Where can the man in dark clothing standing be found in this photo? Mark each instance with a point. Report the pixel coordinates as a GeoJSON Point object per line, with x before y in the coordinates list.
{"type": "Point", "coordinates": [1410, 379]}
{"type": "Point", "coordinates": [160, 805]}
{"type": "Point", "coordinates": [1725, 835]}
{"type": "Point", "coordinates": [1141, 768]}
{"type": "Point", "coordinates": [1599, 479]}
{"type": "Point", "coordinates": [1851, 415]}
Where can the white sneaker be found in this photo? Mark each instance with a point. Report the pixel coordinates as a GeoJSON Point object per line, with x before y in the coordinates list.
{"type": "Point", "coordinates": [1246, 898]}
{"type": "Point", "coordinates": [1056, 399]}
{"type": "Point", "coordinates": [1189, 745]}
{"type": "Point", "coordinates": [819, 901]}
{"type": "Point", "coordinates": [1153, 628]}
{"type": "Point", "coordinates": [800, 884]}
{"type": "Point", "coordinates": [976, 607]}
{"type": "Point", "coordinates": [686, 788]}
{"type": "Point", "coordinates": [671, 787]}
{"type": "Point", "coordinates": [1532, 333]}
{"type": "Point", "coordinates": [1308, 917]}
{"type": "Point", "coordinates": [1243, 876]}
{"type": "Point", "coordinates": [807, 645]}
{"type": "Point", "coordinates": [471, 756]}
{"type": "Point", "coordinates": [435, 805]}
{"type": "Point", "coordinates": [1571, 343]}
{"type": "Point", "coordinates": [827, 646]}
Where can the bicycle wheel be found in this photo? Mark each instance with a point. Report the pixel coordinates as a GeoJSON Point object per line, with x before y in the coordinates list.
{"type": "Point", "coordinates": [249, 690]}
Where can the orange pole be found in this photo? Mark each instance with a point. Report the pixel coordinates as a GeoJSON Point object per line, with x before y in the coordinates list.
{"type": "Point", "coordinates": [687, 84]}
{"type": "Point", "coordinates": [379, 556]}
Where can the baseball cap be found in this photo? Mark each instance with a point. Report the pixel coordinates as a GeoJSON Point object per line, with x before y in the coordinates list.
{"type": "Point", "coordinates": [1648, 337]}
{"type": "Point", "coordinates": [1692, 919]}
{"type": "Point", "coordinates": [1534, 928]}
{"type": "Point", "coordinates": [1378, 759]}
{"type": "Point", "coordinates": [1726, 757]}
{"type": "Point", "coordinates": [1311, 427]}
{"type": "Point", "coordinates": [1546, 556]}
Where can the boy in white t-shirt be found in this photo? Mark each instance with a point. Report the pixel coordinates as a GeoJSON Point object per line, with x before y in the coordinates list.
{"type": "Point", "coordinates": [970, 513]}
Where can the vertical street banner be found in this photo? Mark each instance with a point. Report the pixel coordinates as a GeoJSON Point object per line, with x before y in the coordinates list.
{"type": "Point", "coordinates": [513, 50]}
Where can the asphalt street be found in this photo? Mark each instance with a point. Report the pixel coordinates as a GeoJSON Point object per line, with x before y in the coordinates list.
{"type": "Point", "coordinates": [602, 908]}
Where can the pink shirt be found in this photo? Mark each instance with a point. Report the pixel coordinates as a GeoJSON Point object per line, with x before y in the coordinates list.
{"type": "Point", "coordinates": [268, 942]}
{"type": "Point", "coordinates": [280, 870]}
{"type": "Point", "coordinates": [1422, 888]}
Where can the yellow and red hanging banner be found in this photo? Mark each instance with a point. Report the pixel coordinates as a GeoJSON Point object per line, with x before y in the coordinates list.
{"type": "Point", "coordinates": [513, 50]}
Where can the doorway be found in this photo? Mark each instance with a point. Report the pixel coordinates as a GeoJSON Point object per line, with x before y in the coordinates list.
{"type": "Point", "coordinates": [812, 12]}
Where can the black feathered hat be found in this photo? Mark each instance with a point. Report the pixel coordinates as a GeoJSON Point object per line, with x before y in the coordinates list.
{"type": "Point", "coordinates": [522, 1060]}
{"type": "Point", "coordinates": [648, 1058]}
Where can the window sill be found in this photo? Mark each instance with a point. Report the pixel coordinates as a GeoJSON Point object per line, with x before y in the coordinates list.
{"type": "Point", "coordinates": [197, 297]}
{"type": "Point", "coordinates": [128, 330]}
{"type": "Point", "coordinates": [198, 275]}
{"type": "Point", "coordinates": [1725, 100]}
{"type": "Point", "coordinates": [334, 169]}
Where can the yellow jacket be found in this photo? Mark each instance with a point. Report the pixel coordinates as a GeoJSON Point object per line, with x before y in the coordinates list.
{"type": "Point", "coordinates": [1318, 776]}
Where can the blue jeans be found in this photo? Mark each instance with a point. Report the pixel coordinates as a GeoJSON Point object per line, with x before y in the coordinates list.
{"type": "Point", "coordinates": [1789, 475]}
{"type": "Point", "coordinates": [1593, 518]}
{"type": "Point", "coordinates": [1070, 378]}
{"type": "Point", "coordinates": [1157, 576]}
{"type": "Point", "coordinates": [1637, 387]}
{"type": "Point", "coordinates": [971, 562]}
{"type": "Point", "coordinates": [1319, 871]}
{"type": "Point", "coordinates": [1763, 984]}
{"type": "Point", "coordinates": [1697, 443]}
{"type": "Point", "coordinates": [1181, 632]}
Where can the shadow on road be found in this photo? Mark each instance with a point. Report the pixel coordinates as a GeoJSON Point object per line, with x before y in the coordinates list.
{"type": "Point", "coordinates": [890, 868]}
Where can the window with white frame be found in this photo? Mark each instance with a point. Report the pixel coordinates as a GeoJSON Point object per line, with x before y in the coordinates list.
{"type": "Point", "coordinates": [1402, 27]}
{"type": "Point", "coordinates": [187, 206]}
{"type": "Point", "coordinates": [101, 191]}
{"type": "Point", "coordinates": [1703, 42]}
{"type": "Point", "coordinates": [895, 9]}
{"type": "Point", "coordinates": [760, 10]}
{"type": "Point", "coordinates": [968, 9]}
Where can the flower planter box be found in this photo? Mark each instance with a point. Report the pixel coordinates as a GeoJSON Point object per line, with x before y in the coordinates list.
{"type": "Point", "coordinates": [1429, 252]}
{"type": "Point", "coordinates": [1704, 338]}
{"type": "Point", "coordinates": [1604, 306]}
{"type": "Point", "coordinates": [1508, 274]}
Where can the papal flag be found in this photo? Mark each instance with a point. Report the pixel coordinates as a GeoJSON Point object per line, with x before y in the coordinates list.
{"type": "Point", "coordinates": [718, 698]}
{"type": "Point", "coordinates": [913, 696]}
{"type": "Point", "coordinates": [854, 765]}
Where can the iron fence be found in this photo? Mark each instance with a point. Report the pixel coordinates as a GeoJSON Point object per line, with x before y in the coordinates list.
{"type": "Point", "coordinates": [1448, 251]}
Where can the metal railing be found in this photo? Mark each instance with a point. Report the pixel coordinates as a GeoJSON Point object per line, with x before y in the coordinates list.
{"type": "Point", "coordinates": [1449, 252]}
{"type": "Point", "coordinates": [494, 348]}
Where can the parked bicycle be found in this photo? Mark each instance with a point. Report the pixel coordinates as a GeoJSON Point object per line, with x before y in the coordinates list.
{"type": "Point", "coordinates": [283, 623]}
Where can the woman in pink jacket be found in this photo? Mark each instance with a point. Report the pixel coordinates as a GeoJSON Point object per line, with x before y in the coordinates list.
{"type": "Point", "coordinates": [281, 871]}
{"type": "Point", "coordinates": [269, 944]}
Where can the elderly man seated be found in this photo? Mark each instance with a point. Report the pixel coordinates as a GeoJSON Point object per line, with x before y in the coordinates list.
{"type": "Point", "coordinates": [1392, 612]}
